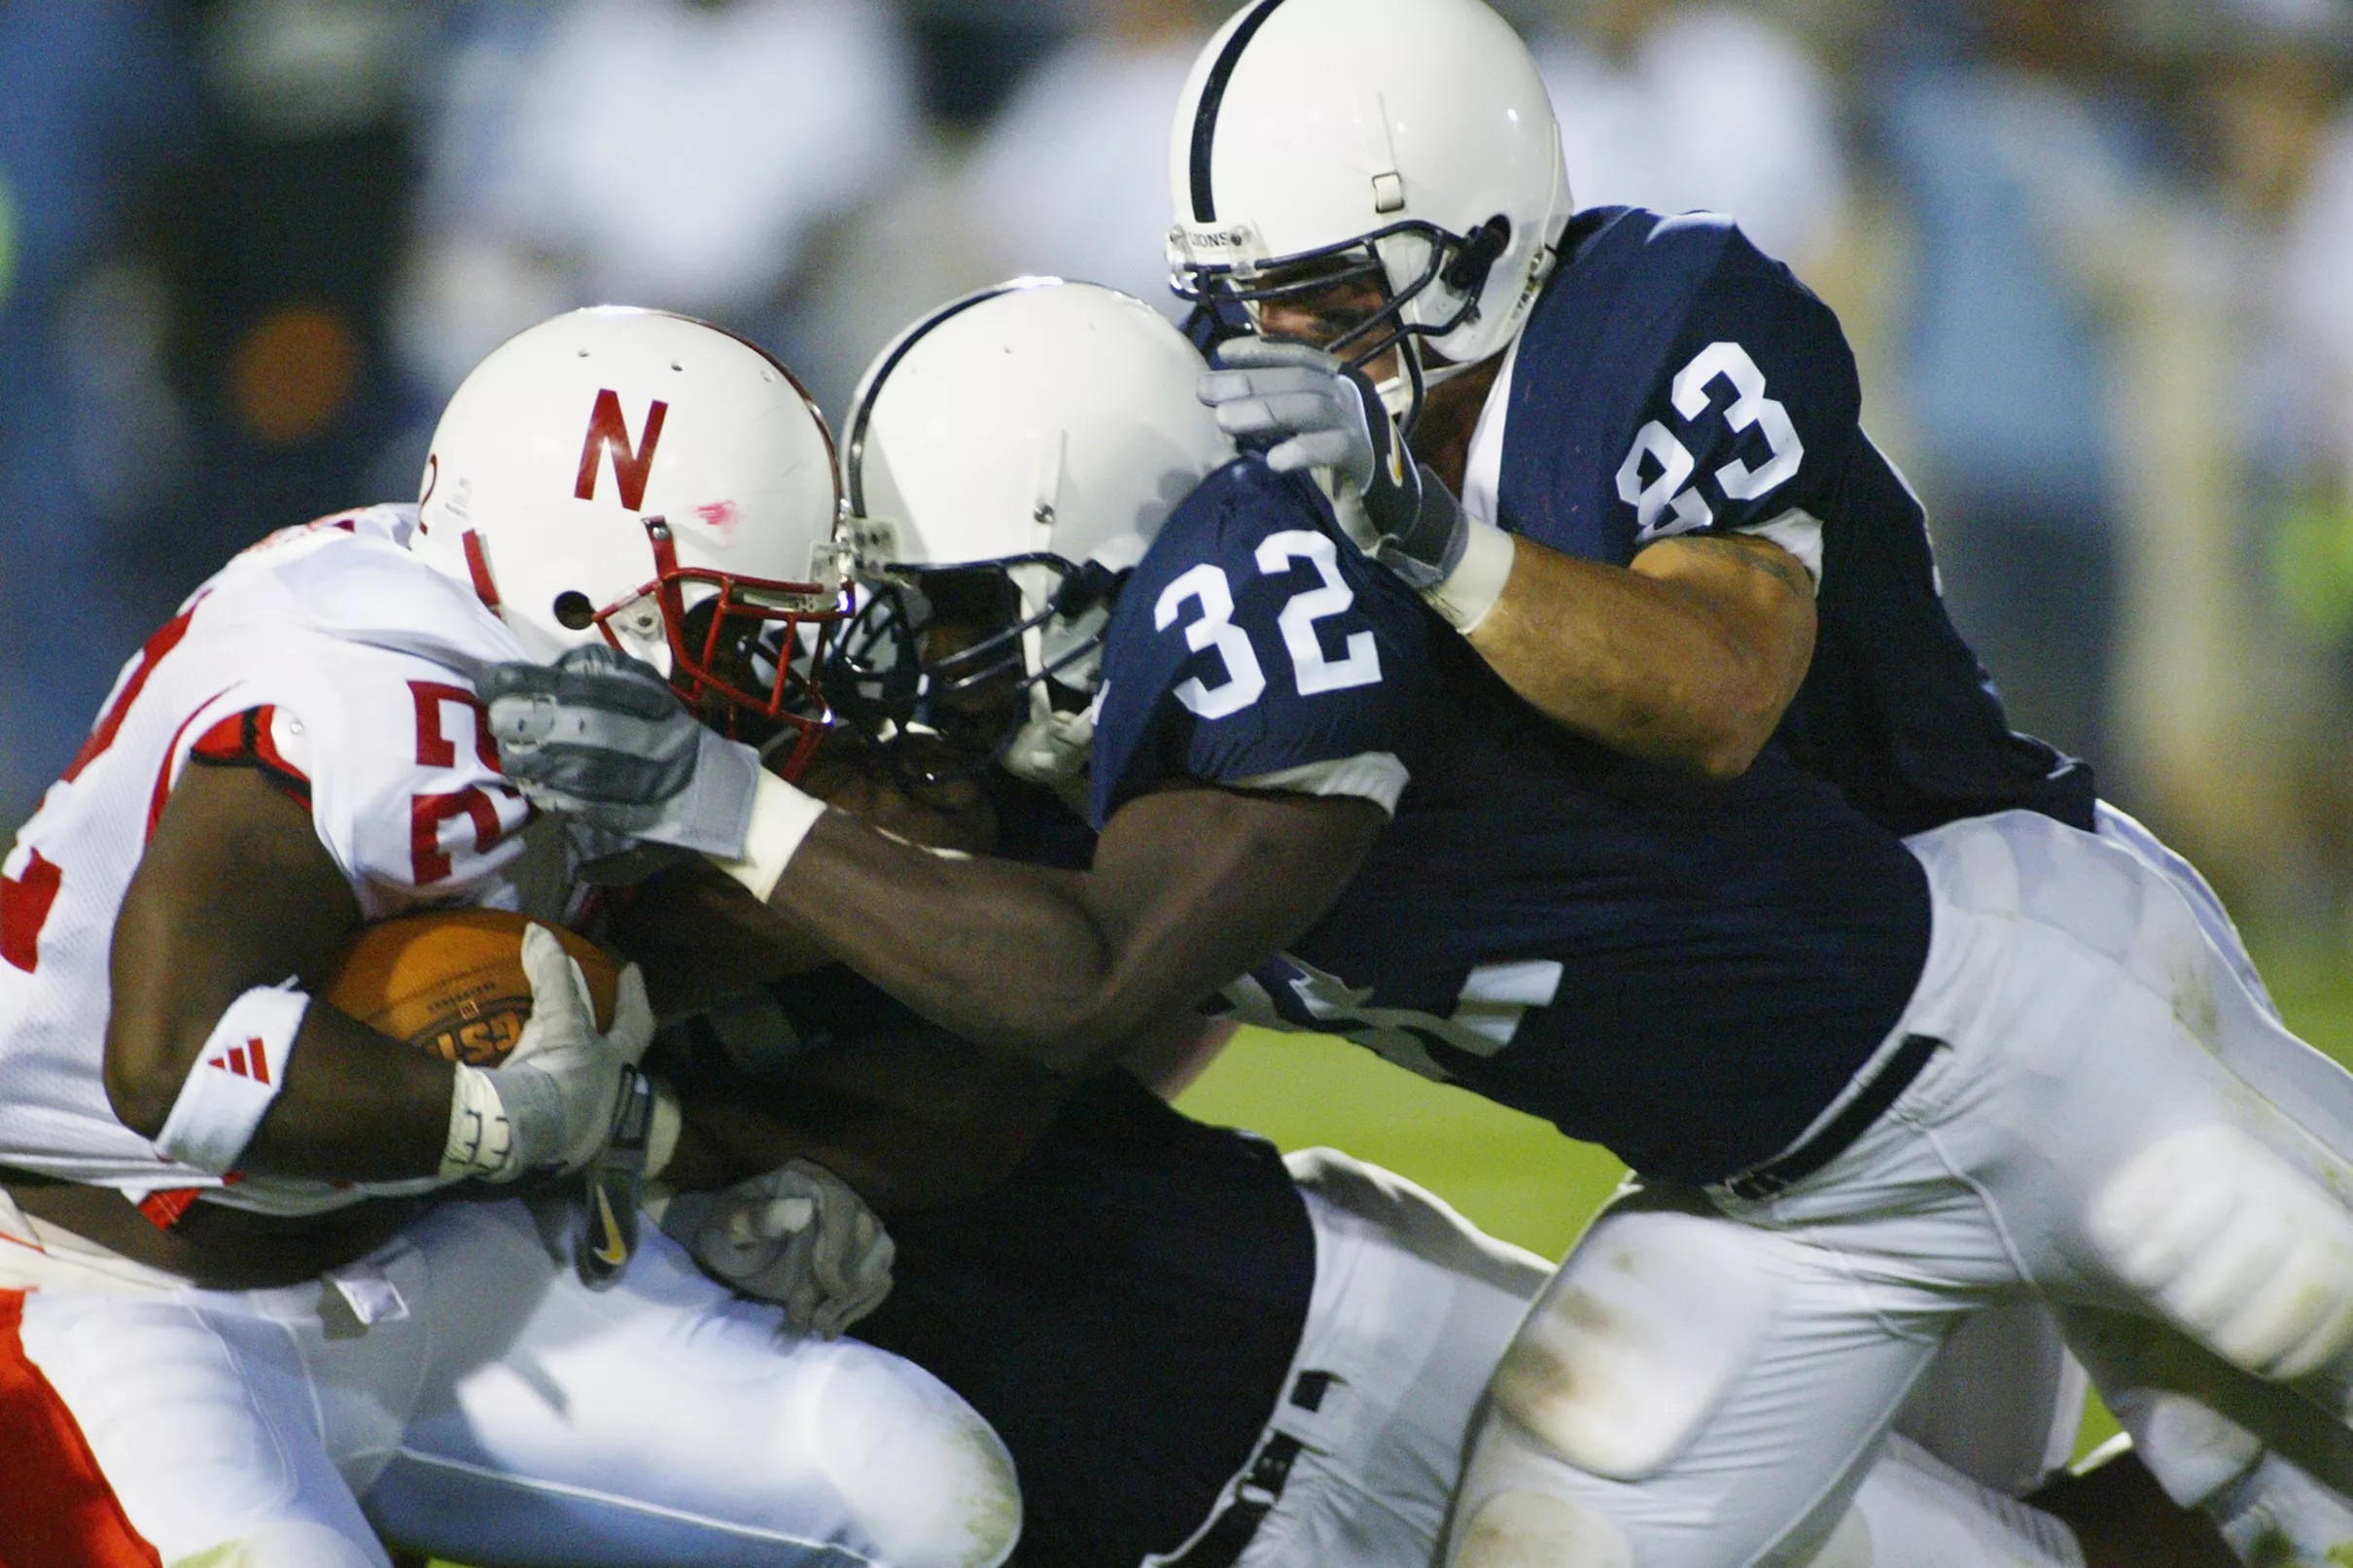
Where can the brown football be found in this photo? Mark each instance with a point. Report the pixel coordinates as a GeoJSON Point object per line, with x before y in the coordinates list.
{"type": "Point", "coordinates": [450, 983]}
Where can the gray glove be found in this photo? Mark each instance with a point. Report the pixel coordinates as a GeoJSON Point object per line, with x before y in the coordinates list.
{"type": "Point", "coordinates": [601, 738]}
{"type": "Point", "coordinates": [798, 1237]}
{"type": "Point", "coordinates": [1319, 412]}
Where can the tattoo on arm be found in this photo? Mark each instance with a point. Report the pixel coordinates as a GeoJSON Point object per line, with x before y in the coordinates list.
{"type": "Point", "coordinates": [1762, 554]}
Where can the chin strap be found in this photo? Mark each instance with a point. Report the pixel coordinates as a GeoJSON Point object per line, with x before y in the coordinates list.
{"type": "Point", "coordinates": [1398, 394]}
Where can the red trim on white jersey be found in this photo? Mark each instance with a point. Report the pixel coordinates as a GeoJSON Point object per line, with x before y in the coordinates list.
{"type": "Point", "coordinates": [24, 906]}
{"type": "Point", "coordinates": [477, 567]}
{"type": "Point", "coordinates": [250, 740]}
{"type": "Point", "coordinates": [162, 1209]}
{"type": "Point", "coordinates": [110, 723]}
{"type": "Point", "coordinates": [171, 754]}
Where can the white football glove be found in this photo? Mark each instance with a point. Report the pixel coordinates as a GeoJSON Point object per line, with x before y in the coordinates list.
{"type": "Point", "coordinates": [798, 1237]}
{"type": "Point", "coordinates": [550, 1104]}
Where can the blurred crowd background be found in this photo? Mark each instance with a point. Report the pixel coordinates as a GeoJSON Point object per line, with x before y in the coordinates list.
{"type": "Point", "coordinates": [2096, 257]}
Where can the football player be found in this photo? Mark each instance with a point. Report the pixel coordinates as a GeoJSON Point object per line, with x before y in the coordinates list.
{"type": "Point", "coordinates": [1529, 927]}
{"type": "Point", "coordinates": [247, 1314]}
{"type": "Point", "coordinates": [1192, 1353]}
{"type": "Point", "coordinates": [1636, 482]}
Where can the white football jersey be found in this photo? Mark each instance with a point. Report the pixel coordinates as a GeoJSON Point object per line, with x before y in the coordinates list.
{"type": "Point", "coordinates": [341, 661]}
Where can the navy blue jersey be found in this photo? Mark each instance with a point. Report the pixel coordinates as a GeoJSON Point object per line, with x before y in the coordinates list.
{"type": "Point", "coordinates": [1674, 379]}
{"type": "Point", "coordinates": [1122, 1309]}
{"type": "Point", "coordinates": [1684, 970]}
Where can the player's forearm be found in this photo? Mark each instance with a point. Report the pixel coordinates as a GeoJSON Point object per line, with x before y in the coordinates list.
{"type": "Point", "coordinates": [1654, 665]}
{"type": "Point", "coordinates": [910, 1120]}
{"type": "Point", "coordinates": [1006, 955]}
{"type": "Point", "coordinates": [1191, 885]}
{"type": "Point", "coordinates": [732, 1136]}
{"type": "Point", "coordinates": [355, 1106]}
{"type": "Point", "coordinates": [701, 938]}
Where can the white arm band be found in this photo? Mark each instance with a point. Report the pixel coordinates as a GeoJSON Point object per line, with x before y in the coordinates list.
{"type": "Point", "coordinates": [234, 1081]}
{"type": "Point", "coordinates": [1477, 581]}
{"type": "Point", "coordinates": [780, 817]}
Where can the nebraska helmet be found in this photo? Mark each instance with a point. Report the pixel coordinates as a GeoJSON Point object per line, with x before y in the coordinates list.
{"type": "Point", "coordinates": [1024, 444]}
{"type": "Point", "coordinates": [657, 483]}
{"type": "Point", "coordinates": [1406, 143]}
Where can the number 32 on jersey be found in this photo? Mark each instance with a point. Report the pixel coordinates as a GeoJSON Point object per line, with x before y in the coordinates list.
{"type": "Point", "coordinates": [1245, 682]}
{"type": "Point", "coordinates": [1665, 502]}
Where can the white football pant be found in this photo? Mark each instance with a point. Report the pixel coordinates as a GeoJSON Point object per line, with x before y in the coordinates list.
{"type": "Point", "coordinates": [1705, 1381]}
{"type": "Point", "coordinates": [1976, 1408]}
{"type": "Point", "coordinates": [2272, 1511]}
{"type": "Point", "coordinates": [496, 1409]}
{"type": "Point", "coordinates": [1412, 1309]}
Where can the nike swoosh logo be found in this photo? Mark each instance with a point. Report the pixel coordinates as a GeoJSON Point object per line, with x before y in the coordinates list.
{"type": "Point", "coordinates": [613, 1250]}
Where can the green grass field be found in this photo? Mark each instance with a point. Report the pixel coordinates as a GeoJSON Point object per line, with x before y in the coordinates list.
{"type": "Point", "coordinates": [1518, 1178]}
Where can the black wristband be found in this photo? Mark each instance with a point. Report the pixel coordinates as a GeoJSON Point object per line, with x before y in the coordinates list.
{"type": "Point", "coordinates": [1435, 535]}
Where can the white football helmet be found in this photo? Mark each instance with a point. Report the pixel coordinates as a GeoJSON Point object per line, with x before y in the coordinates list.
{"type": "Point", "coordinates": [1405, 142]}
{"type": "Point", "coordinates": [655, 482]}
{"type": "Point", "coordinates": [1015, 450]}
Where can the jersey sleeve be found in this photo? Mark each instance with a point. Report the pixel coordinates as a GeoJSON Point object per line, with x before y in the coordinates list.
{"type": "Point", "coordinates": [357, 647]}
{"type": "Point", "coordinates": [1255, 649]}
{"type": "Point", "coordinates": [1753, 414]}
{"type": "Point", "coordinates": [266, 739]}
{"type": "Point", "coordinates": [404, 784]}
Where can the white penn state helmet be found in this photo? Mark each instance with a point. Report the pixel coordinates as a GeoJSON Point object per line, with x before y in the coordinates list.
{"type": "Point", "coordinates": [1408, 141]}
{"type": "Point", "coordinates": [1039, 431]}
{"type": "Point", "coordinates": [649, 481]}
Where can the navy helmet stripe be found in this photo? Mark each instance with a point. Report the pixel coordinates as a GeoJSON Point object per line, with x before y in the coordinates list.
{"type": "Point", "coordinates": [855, 447]}
{"type": "Point", "coordinates": [1213, 98]}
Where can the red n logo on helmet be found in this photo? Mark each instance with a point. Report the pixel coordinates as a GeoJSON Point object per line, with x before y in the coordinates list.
{"type": "Point", "coordinates": [608, 433]}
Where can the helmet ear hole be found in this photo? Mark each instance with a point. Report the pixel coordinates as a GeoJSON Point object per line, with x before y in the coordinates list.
{"type": "Point", "coordinates": [1469, 268]}
{"type": "Point", "coordinates": [574, 610]}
